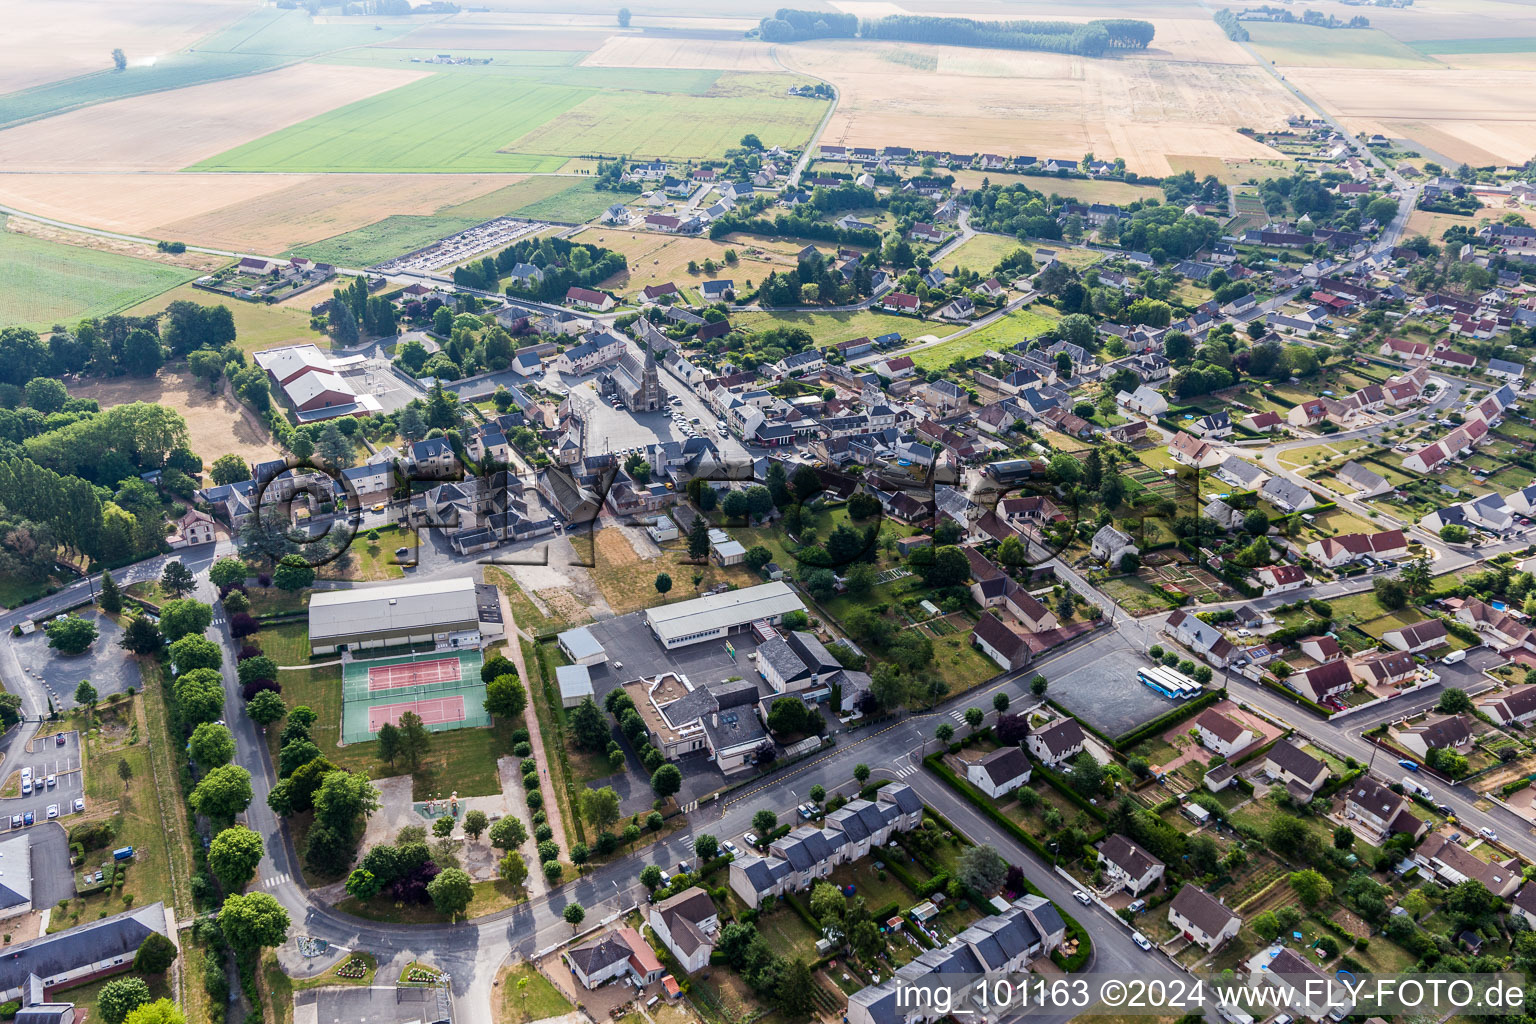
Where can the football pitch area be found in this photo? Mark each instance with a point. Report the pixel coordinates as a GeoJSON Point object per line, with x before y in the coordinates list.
{"type": "Point", "coordinates": [443, 688]}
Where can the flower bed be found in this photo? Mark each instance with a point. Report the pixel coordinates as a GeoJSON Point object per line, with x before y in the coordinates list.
{"type": "Point", "coordinates": [355, 968]}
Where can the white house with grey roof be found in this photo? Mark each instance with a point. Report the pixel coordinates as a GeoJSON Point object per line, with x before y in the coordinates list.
{"type": "Point", "coordinates": [797, 662]}
{"type": "Point", "coordinates": [1202, 918]}
{"type": "Point", "coordinates": [1057, 743]}
{"type": "Point", "coordinates": [30, 972]}
{"type": "Point", "coordinates": [1001, 772]}
{"type": "Point", "coordinates": [1241, 474]}
{"type": "Point", "coordinates": [1128, 866]}
{"type": "Point", "coordinates": [1110, 545]}
{"type": "Point", "coordinates": [808, 854]}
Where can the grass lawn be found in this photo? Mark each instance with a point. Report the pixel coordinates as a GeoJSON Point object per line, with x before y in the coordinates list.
{"type": "Point", "coordinates": [460, 759]}
{"type": "Point", "coordinates": [982, 252]}
{"type": "Point", "coordinates": [272, 601]}
{"type": "Point", "coordinates": [85, 996]}
{"type": "Point", "coordinates": [43, 283]}
{"type": "Point", "coordinates": [14, 593]}
{"type": "Point", "coordinates": [567, 200]}
{"type": "Point", "coordinates": [788, 935]}
{"type": "Point", "coordinates": [1005, 332]}
{"type": "Point", "coordinates": [488, 898]}
{"type": "Point", "coordinates": [867, 883]}
{"type": "Point", "coordinates": [146, 811]}
{"type": "Point", "coordinates": [367, 559]}
{"type": "Point", "coordinates": [257, 325]}
{"type": "Point", "coordinates": [520, 1002]}
{"type": "Point", "coordinates": [830, 328]}
{"type": "Point", "coordinates": [1135, 595]}
{"type": "Point", "coordinates": [628, 583]}
{"type": "Point", "coordinates": [286, 643]}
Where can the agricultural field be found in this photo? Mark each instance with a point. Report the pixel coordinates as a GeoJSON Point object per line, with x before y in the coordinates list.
{"type": "Point", "coordinates": [561, 199]}
{"type": "Point", "coordinates": [43, 283]}
{"type": "Point", "coordinates": [1144, 110]}
{"type": "Point", "coordinates": [384, 240]}
{"type": "Point", "coordinates": [1009, 330]}
{"type": "Point", "coordinates": [262, 40]}
{"type": "Point", "coordinates": [484, 123]}
{"type": "Point", "coordinates": [982, 252]}
{"type": "Point", "coordinates": [216, 424]}
{"type": "Point", "coordinates": [1315, 47]}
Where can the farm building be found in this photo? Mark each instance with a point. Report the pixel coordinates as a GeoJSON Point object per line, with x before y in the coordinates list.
{"type": "Point", "coordinates": [394, 615]}
{"type": "Point", "coordinates": [313, 384]}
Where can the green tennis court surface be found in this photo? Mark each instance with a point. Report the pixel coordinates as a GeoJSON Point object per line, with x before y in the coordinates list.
{"type": "Point", "coordinates": [443, 688]}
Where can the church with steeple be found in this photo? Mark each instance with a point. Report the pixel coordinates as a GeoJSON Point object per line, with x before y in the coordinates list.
{"type": "Point", "coordinates": [634, 381]}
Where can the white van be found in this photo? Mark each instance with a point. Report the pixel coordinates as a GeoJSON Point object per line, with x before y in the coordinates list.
{"type": "Point", "coordinates": [1454, 657]}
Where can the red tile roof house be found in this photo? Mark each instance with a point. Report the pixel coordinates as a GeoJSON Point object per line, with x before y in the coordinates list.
{"type": "Point", "coordinates": [586, 298]}
{"type": "Point", "coordinates": [925, 233]}
{"type": "Point", "coordinates": [1333, 552]}
{"type": "Point", "coordinates": [652, 292]}
{"type": "Point", "coordinates": [1277, 579]}
{"type": "Point", "coordinates": [900, 302]}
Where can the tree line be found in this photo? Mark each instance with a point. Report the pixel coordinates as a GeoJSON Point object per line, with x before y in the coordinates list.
{"type": "Point", "coordinates": [1231, 26]}
{"type": "Point", "coordinates": [1091, 39]}
{"type": "Point", "coordinates": [789, 26]}
{"type": "Point", "coordinates": [566, 265]}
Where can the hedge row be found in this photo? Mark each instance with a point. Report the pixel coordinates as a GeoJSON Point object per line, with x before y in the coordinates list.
{"type": "Point", "coordinates": [1169, 718]}
{"type": "Point", "coordinates": [980, 801]}
{"type": "Point", "coordinates": [1296, 698]}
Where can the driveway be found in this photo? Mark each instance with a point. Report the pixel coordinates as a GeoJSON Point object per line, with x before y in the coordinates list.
{"type": "Point", "coordinates": [52, 877]}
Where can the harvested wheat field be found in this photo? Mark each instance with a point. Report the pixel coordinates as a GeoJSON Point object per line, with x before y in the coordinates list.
{"type": "Point", "coordinates": [169, 130]}
{"type": "Point", "coordinates": [131, 203]}
{"type": "Point", "coordinates": [636, 51]}
{"type": "Point", "coordinates": [216, 424]}
{"type": "Point", "coordinates": [1044, 104]}
{"type": "Point", "coordinates": [1481, 116]}
{"type": "Point", "coordinates": [46, 42]}
{"type": "Point", "coordinates": [309, 208]}
{"type": "Point", "coordinates": [200, 261]}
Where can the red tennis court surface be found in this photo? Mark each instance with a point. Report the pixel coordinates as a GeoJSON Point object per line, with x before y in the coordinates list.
{"type": "Point", "coordinates": [433, 711]}
{"type": "Point", "coordinates": [415, 673]}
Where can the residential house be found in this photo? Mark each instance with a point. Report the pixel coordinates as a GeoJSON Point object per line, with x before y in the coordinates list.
{"type": "Point", "coordinates": [1333, 552]}
{"type": "Point", "coordinates": [1263, 422]}
{"type": "Point", "coordinates": [1000, 773]}
{"type": "Point", "coordinates": [1379, 810]}
{"type": "Point", "coordinates": [1515, 706]}
{"type": "Point", "coordinates": [1302, 774]}
{"type": "Point", "coordinates": [1244, 476]}
{"type": "Point", "coordinates": [1127, 865]}
{"type": "Point", "coordinates": [1202, 918]}
{"type": "Point", "coordinates": [1367, 484]}
{"type": "Point", "coordinates": [1286, 495]}
{"type": "Point", "coordinates": [1144, 400]}
{"type": "Point", "coordinates": [1449, 733]}
{"type": "Point", "coordinates": [1321, 682]}
{"type": "Point", "coordinates": [1499, 629]}
{"type": "Point", "coordinates": [1320, 648]}
{"type": "Point", "coordinates": [796, 662]}
{"type": "Point", "coordinates": [1279, 579]}
{"type": "Point", "coordinates": [687, 924]}
{"type": "Point", "coordinates": [1384, 668]}
{"type": "Point", "coordinates": [1201, 637]}
{"type": "Point", "coordinates": [1216, 425]}
{"type": "Point", "coordinates": [994, 638]}
{"type": "Point", "coordinates": [613, 954]}
{"type": "Point", "coordinates": [1419, 637]}
{"type": "Point", "coordinates": [587, 298]}
{"type": "Point", "coordinates": [1057, 743]}
{"type": "Point", "coordinates": [1450, 864]}
{"type": "Point", "coordinates": [899, 302]}
{"type": "Point", "coordinates": [1222, 733]}
{"type": "Point", "coordinates": [1193, 452]}
{"type": "Point", "coordinates": [1111, 545]}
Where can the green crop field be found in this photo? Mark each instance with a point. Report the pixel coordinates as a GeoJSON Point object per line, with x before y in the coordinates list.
{"type": "Point", "coordinates": [1002, 333]}
{"type": "Point", "coordinates": [385, 239]}
{"type": "Point", "coordinates": [574, 204]}
{"type": "Point", "coordinates": [552, 67]}
{"type": "Point", "coordinates": [44, 283]}
{"type": "Point", "coordinates": [1313, 47]}
{"type": "Point", "coordinates": [443, 123]}
{"type": "Point", "coordinates": [1512, 44]}
{"type": "Point", "coordinates": [264, 39]}
{"type": "Point", "coordinates": [830, 328]}
{"type": "Point", "coordinates": [679, 127]}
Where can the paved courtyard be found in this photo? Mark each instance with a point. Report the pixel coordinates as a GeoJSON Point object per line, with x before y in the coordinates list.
{"type": "Point", "coordinates": [103, 663]}
{"type": "Point", "coordinates": [1106, 694]}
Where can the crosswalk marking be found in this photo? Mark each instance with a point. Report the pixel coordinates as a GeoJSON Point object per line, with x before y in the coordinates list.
{"type": "Point", "coordinates": [275, 881]}
{"type": "Point", "coordinates": [691, 806]}
{"type": "Point", "coordinates": [905, 771]}
{"type": "Point", "coordinates": [957, 715]}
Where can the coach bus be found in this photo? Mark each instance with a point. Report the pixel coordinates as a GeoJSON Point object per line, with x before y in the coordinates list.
{"type": "Point", "coordinates": [1168, 682]}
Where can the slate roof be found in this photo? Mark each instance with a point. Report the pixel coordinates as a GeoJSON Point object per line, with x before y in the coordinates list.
{"type": "Point", "coordinates": [110, 938]}
{"type": "Point", "coordinates": [1004, 764]}
{"type": "Point", "coordinates": [1202, 909]}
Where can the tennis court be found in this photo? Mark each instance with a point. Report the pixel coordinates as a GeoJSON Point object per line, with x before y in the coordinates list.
{"type": "Point", "coordinates": [443, 688]}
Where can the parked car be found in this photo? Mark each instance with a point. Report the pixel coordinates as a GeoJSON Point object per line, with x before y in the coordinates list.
{"type": "Point", "coordinates": [402, 552]}
{"type": "Point", "coordinates": [684, 868]}
{"type": "Point", "coordinates": [28, 818]}
{"type": "Point", "coordinates": [15, 821]}
{"type": "Point", "coordinates": [1141, 940]}
{"type": "Point", "coordinates": [79, 805]}
{"type": "Point", "coordinates": [750, 838]}
{"type": "Point", "coordinates": [1410, 765]}
{"type": "Point", "coordinates": [731, 848]}
{"type": "Point", "coordinates": [666, 879]}
{"type": "Point", "coordinates": [1137, 906]}
{"type": "Point", "coordinates": [1488, 833]}
{"type": "Point", "coordinates": [58, 740]}
{"type": "Point", "coordinates": [1081, 897]}
{"type": "Point", "coordinates": [53, 780]}
{"type": "Point", "coordinates": [53, 811]}
{"type": "Point", "coordinates": [26, 787]}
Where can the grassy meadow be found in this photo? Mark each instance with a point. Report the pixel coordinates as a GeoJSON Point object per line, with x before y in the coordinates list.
{"type": "Point", "coordinates": [43, 283]}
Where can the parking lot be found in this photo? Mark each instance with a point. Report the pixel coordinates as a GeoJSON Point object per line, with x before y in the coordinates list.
{"type": "Point", "coordinates": [1106, 694]}
{"type": "Point", "coordinates": [47, 758]}
{"type": "Point", "coordinates": [102, 663]}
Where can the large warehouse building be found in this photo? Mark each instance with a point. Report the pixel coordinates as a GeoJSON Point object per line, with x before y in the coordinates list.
{"type": "Point", "coordinates": [719, 615]}
{"type": "Point", "coordinates": [403, 613]}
